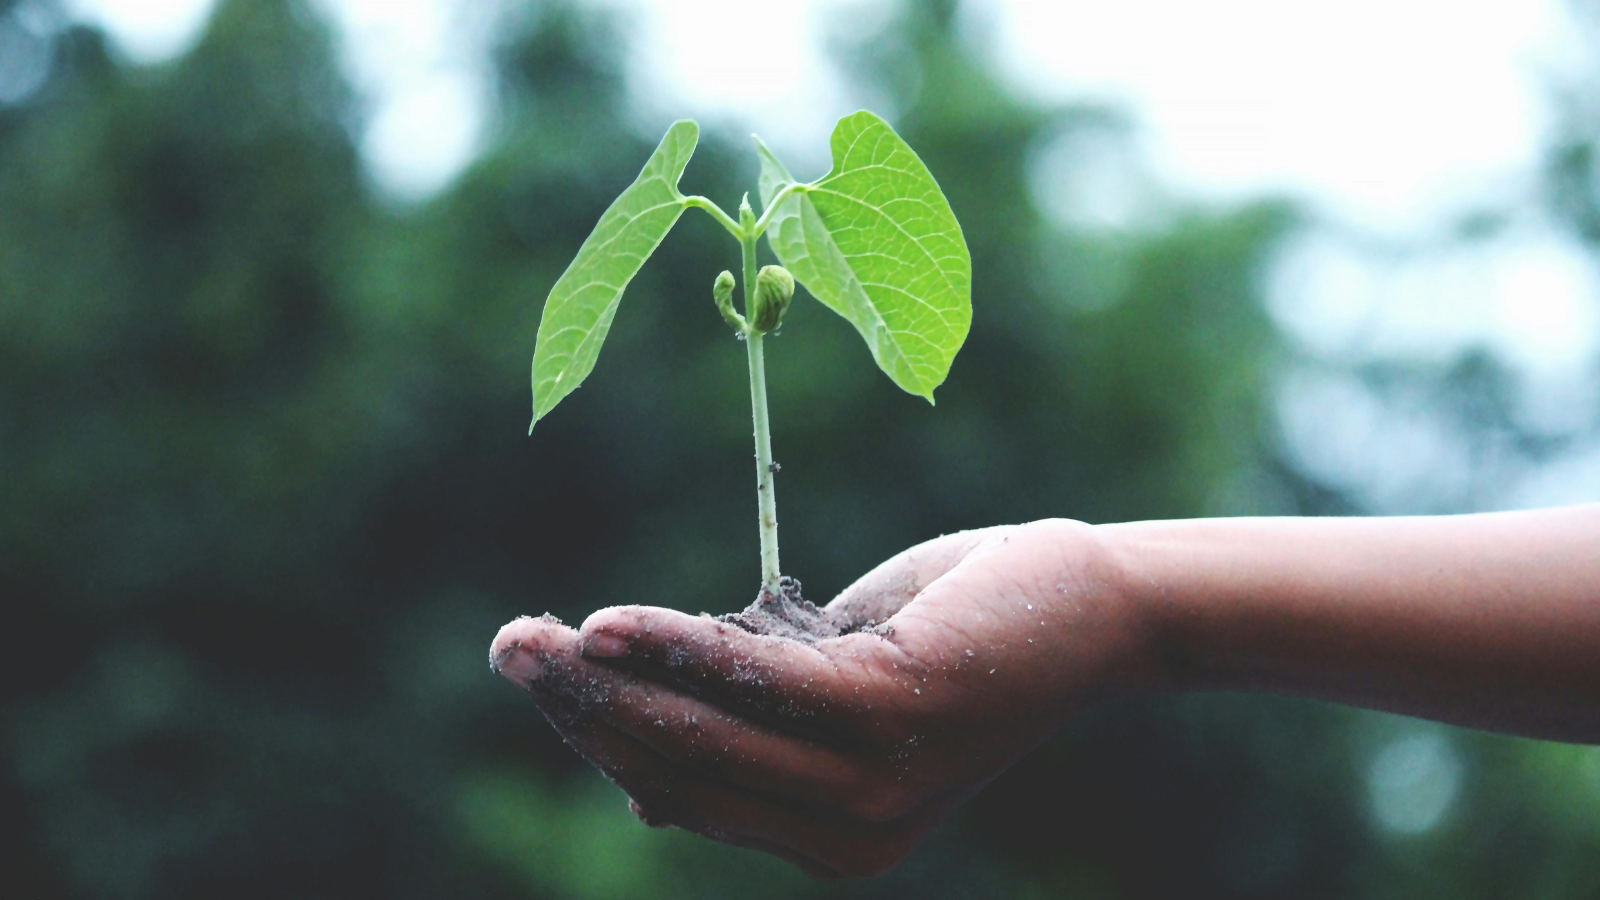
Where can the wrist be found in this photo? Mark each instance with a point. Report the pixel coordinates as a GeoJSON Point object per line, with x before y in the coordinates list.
{"type": "Point", "coordinates": [1146, 564]}
{"type": "Point", "coordinates": [1109, 622]}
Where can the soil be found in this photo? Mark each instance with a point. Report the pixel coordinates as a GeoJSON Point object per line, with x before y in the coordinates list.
{"type": "Point", "coordinates": [790, 615]}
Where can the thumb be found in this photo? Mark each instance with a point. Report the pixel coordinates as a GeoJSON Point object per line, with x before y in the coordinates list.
{"type": "Point", "coordinates": [885, 590]}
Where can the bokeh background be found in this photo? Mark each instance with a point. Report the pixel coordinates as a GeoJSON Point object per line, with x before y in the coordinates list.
{"type": "Point", "coordinates": [270, 273]}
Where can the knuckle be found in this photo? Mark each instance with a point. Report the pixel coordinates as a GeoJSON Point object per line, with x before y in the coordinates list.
{"type": "Point", "coordinates": [616, 617]}
{"type": "Point", "coordinates": [1065, 526]}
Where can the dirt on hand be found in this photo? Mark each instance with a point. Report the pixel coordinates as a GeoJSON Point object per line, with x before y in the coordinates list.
{"type": "Point", "coordinates": [790, 615]}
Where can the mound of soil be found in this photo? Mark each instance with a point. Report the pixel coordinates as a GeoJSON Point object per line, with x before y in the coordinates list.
{"type": "Point", "coordinates": [790, 615]}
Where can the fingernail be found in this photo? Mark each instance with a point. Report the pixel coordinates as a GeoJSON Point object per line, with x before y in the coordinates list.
{"type": "Point", "coordinates": [517, 664]}
{"type": "Point", "coordinates": [605, 646]}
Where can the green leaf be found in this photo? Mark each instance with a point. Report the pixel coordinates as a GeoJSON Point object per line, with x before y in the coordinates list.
{"type": "Point", "coordinates": [584, 300]}
{"type": "Point", "coordinates": [876, 242]}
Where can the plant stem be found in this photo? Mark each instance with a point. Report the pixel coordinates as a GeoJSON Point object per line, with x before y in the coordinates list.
{"type": "Point", "coordinates": [758, 409]}
{"type": "Point", "coordinates": [764, 479]}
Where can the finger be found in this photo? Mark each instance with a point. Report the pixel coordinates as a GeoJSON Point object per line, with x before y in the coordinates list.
{"type": "Point", "coordinates": [525, 645]}
{"type": "Point", "coordinates": [881, 593]}
{"type": "Point", "coordinates": [692, 733]}
{"type": "Point", "coordinates": [827, 846]}
{"type": "Point", "coordinates": [780, 682]}
{"type": "Point", "coordinates": [697, 735]}
{"type": "Point", "coordinates": [540, 655]}
{"type": "Point", "coordinates": [656, 794]}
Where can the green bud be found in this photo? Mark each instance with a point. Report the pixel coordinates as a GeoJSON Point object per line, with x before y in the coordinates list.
{"type": "Point", "coordinates": [747, 216]}
{"type": "Point", "coordinates": [722, 292]}
{"type": "Point", "coordinates": [774, 289]}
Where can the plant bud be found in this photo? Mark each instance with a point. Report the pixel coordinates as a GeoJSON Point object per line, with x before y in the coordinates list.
{"type": "Point", "coordinates": [722, 292]}
{"type": "Point", "coordinates": [774, 289]}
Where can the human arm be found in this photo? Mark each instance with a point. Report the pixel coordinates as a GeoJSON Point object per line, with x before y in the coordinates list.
{"type": "Point", "coordinates": [1490, 621]}
{"type": "Point", "coordinates": [841, 755]}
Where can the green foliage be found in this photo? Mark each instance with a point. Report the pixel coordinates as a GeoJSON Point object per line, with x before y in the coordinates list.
{"type": "Point", "coordinates": [576, 841]}
{"type": "Point", "coordinates": [876, 241]}
{"type": "Point", "coordinates": [584, 299]}
{"type": "Point", "coordinates": [882, 249]}
{"type": "Point", "coordinates": [264, 504]}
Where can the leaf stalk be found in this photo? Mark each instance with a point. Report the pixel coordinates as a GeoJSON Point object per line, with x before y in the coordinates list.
{"type": "Point", "coordinates": [726, 221]}
{"type": "Point", "coordinates": [778, 198]}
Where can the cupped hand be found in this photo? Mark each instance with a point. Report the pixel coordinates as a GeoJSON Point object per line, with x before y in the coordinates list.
{"type": "Point", "coordinates": [841, 755]}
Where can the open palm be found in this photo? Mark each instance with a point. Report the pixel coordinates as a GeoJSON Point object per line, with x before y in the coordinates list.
{"type": "Point", "coordinates": [841, 755]}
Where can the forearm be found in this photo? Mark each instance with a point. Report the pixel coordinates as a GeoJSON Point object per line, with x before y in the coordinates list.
{"type": "Point", "coordinates": [1491, 621]}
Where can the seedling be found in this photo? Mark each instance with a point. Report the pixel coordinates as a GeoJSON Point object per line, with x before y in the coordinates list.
{"type": "Point", "coordinates": [874, 240]}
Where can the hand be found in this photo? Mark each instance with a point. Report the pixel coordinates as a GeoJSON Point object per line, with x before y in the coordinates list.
{"type": "Point", "coordinates": [841, 755]}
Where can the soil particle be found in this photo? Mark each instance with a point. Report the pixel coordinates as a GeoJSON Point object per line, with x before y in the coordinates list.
{"type": "Point", "coordinates": [790, 615]}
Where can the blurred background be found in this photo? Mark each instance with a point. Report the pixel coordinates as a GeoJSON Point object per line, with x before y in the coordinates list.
{"type": "Point", "coordinates": [270, 273]}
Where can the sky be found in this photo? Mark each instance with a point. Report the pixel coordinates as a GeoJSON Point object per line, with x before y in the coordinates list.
{"type": "Point", "coordinates": [1390, 120]}
{"type": "Point", "coordinates": [1385, 113]}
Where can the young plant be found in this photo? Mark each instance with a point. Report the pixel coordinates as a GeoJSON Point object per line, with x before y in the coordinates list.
{"type": "Point", "coordinates": [874, 240]}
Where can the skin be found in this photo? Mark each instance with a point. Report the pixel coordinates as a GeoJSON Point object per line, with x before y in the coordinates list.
{"type": "Point", "coordinates": [841, 756]}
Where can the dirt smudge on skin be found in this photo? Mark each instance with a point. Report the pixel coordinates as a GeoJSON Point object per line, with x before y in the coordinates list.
{"type": "Point", "coordinates": [790, 615]}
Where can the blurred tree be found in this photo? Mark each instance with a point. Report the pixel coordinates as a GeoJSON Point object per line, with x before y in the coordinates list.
{"type": "Point", "coordinates": [266, 499]}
